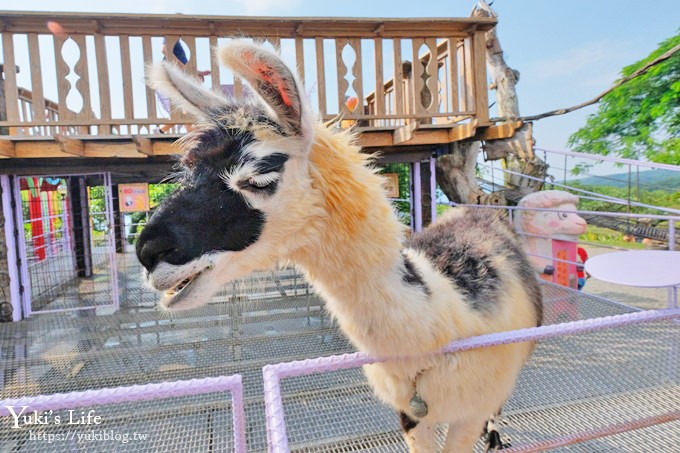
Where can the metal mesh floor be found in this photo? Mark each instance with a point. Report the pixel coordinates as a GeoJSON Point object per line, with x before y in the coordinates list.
{"type": "Point", "coordinates": [572, 383]}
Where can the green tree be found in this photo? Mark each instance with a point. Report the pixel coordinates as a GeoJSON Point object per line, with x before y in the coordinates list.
{"type": "Point", "coordinates": [641, 118]}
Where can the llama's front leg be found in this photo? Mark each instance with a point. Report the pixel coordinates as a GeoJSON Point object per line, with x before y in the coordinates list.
{"type": "Point", "coordinates": [493, 441]}
{"type": "Point", "coordinates": [462, 436]}
{"type": "Point", "coordinates": [420, 437]}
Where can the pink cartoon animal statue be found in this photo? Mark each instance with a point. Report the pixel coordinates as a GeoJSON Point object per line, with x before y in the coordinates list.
{"type": "Point", "coordinates": [550, 241]}
{"type": "Point", "coordinates": [550, 237]}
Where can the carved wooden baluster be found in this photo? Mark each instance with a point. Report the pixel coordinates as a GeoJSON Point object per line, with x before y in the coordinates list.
{"type": "Point", "coordinates": [431, 76]}
{"type": "Point", "coordinates": [104, 87]}
{"type": "Point", "coordinates": [63, 85]}
{"type": "Point", "coordinates": [11, 93]}
{"type": "Point", "coordinates": [300, 56]}
{"type": "Point", "coordinates": [469, 78]}
{"type": "Point", "coordinates": [192, 65]}
{"type": "Point", "coordinates": [453, 74]}
{"type": "Point", "coordinates": [398, 85]}
{"type": "Point", "coordinates": [38, 96]}
{"type": "Point", "coordinates": [417, 76]}
{"type": "Point", "coordinates": [177, 114]}
{"type": "Point", "coordinates": [343, 84]}
{"type": "Point", "coordinates": [358, 82]}
{"type": "Point", "coordinates": [238, 83]}
{"type": "Point", "coordinates": [442, 82]}
{"type": "Point", "coordinates": [147, 52]}
{"type": "Point", "coordinates": [82, 86]}
{"type": "Point", "coordinates": [214, 65]}
{"type": "Point", "coordinates": [379, 81]}
{"type": "Point", "coordinates": [126, 66]}
{"type": "Point", "coordinates": [275, 42]}
{"type": "Point", "coordinates": [321, 76]}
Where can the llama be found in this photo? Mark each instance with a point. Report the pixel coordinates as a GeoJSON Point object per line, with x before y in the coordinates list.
{"type": "Point", "coordinates": [264, 182]}
{"type": "Point", "coordinates": [545, 224]}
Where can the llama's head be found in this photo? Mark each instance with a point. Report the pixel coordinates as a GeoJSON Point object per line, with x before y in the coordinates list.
{"type": "Point", "coordinates": [564, 220]}
{"type": "Point", "coordinates": [243, 176]}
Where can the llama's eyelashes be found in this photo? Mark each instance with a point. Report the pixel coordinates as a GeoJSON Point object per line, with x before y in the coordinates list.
{"type": "Point", "coordinates": [266, 183]}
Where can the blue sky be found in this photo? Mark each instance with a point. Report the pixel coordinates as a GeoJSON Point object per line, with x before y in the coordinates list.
{"type": "Point", "coordinates": [566, 51]}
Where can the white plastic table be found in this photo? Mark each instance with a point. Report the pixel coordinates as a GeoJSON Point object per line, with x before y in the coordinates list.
{"type": "Point", "coordinates": [642, 268]}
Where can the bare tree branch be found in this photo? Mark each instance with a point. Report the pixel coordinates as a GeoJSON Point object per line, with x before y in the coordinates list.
{"type": "Point", "coordinates": [642, 70]}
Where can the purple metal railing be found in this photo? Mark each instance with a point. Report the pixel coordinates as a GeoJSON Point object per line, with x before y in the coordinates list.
{"type": "Point", "coordinates": [277, 439]}
{"type": "Point", "coordinates": [11, 245]}
{"type": "Point", "coordinates": [99, 397]}
{"type": "Point", "coordinates": [417, 197]}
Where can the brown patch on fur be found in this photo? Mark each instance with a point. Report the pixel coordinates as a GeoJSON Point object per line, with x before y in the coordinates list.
{"type": "Point", "coordinates": [353, 214]}
{"type": "Point", "coordinates": [347, 197]}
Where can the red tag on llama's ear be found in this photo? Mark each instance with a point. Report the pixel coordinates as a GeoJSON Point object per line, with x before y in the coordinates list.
{"type": "Point", "coordinates": [271, 77]}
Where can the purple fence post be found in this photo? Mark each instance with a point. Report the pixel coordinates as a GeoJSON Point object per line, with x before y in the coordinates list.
{"type": "Point", "coordinates": [21, 247]}
{"type": "Point", "coordinates": [433, 187]}
{"type": "Point", "coordinates": [411, 197]}
{"type": "Point", "coordinates": [111, 239]}
{"type": "Point", "coordinates": [277, 439]}
{"type": "Point", "coordinates": [417, 197]}
{"type": "Point", "coordinates": [238, 414]}
{"type": "Point", "coordinates": [146, 392]}
{"type": "Point", "coordinates": [10, 243]}
{"type": "Point", "coordinates": [672, 292]}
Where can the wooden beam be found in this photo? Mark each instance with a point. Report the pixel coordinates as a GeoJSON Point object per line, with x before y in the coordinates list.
{"type": "Point", "coordinates": [38, 149]}
{"type": "Point", "coordinates": [375, 139]}
{"type": "Point", "coordinates": [143, 144]}
{"type": "Point", "coordinates": [462, 132]}
{"type": "Point", "coordinates": [201, 26]}
{"type": "Point", "coordinates": [102, 149]}
{"type": "Point", "coordinates": [500, 131]}
{"type": "Point", "coordinates": [404, 133]}
{"type": "Point", "coordinates": [70, 145]}
{"type": "Point", "coordinates": [7, 149]}
{"type": "Point", "coordinates": [165, 148]}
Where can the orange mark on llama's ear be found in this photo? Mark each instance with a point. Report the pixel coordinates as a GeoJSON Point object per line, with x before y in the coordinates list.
{"type": "Point", "coordinates": [270, 76]}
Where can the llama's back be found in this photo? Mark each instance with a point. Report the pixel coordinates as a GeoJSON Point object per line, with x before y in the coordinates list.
{"type": "Point", "coordinates": [480, 254]}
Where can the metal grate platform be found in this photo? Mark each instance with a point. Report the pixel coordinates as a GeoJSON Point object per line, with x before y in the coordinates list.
{"type": "Point", "coordinates": [572, 383]}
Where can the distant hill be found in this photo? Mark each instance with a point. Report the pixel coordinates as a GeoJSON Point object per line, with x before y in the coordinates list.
{"type": "Point", "coordinates": [665, 180]}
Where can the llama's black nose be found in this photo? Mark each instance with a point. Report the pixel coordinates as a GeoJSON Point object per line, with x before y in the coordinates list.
{"type": "Point", "coordinates": [152, 247]}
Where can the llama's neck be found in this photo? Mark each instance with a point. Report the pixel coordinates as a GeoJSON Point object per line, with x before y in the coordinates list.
{"type": "Point", "coordinates": [353, 257]}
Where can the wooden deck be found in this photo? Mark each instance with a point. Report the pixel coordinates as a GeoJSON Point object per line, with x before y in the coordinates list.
{"type": "Point", "coordinates": [81, 92]}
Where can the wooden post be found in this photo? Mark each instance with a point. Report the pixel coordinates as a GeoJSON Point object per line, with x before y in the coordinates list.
{"type": "Point", "coordinates": [3, 103]}
{"type": "Point", "coordinates": [425, 193]}
{"type": "Point", "coordinates": [480, 83]}
{"type": "Point", "coordinates": [118, 224]}
{"type": "Point", "coordinates": [417, 198]}
{"type": "Point", "coordinates": [81, 226]}
{"type": "Point", "coordinates": [10, 70]}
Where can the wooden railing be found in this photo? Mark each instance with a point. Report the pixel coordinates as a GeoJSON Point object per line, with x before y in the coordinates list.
{"type": "Point", "coordinates": [94, 68]}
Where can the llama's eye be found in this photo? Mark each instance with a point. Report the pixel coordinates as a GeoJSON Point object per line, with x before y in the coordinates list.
{"type": "Point", "coordinates": [262, 181]}
{"type": "Point", "coordinates": [562, 215]}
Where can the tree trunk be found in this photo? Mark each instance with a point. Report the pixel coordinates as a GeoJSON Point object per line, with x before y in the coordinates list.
{"type": "Point", "coordinates": [456, 173]}
{"type": "Point", "coordinates": [504, 77]}
{"type": "Point", "coordinates": [517, 151]}
{"type": "Point", "coordinates": [426, 196]}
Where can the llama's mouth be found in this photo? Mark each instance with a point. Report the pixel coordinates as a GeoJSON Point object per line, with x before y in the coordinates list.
{"type": "Point", "coordinates": [178, 292]}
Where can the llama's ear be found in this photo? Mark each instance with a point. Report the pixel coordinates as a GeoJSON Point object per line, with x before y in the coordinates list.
{"type": "Point", "coordinates": [185, 91]}
{"type": "Point", "coordinates": [271, 79]}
